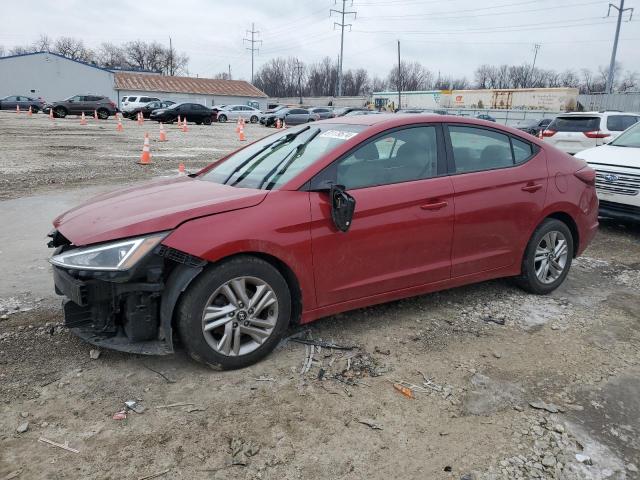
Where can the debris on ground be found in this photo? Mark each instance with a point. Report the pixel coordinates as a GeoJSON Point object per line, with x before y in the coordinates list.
{"type": "Point", "coordinates": [371, 424]}
{"type": "Point", "coordinates": [586, 459]}
{"type": "Point", "coordinates": [540, 405]}
{"type": "Point", "coordinates": [155, 475]}
{"type": "Point", "coordinates": [94, 354]}
{"type": "Point", "coordinates": [23, 427]}
{"type": "Point", "coordinates": [135, 406]}
{"type": "Point", "coordinates": [406, 391]}
{"type": "Point", "coordinates": [173, 405]}
{"type": "Point", "coordinates": [242, 450]}
{"type": "Point", "coordinates": [381, 351]}
{"type": "Point", "coordinates": [121, 415]}
{"type": "Point", "coordinates": [320, 343]}
{"type": "Point", "coordinates": [64, 446]}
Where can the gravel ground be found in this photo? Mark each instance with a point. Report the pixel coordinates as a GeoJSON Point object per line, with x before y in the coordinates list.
{"type": "Point", "coordinates": [505, 385]}
{"type": "Point", "coordinates": [40, 155]}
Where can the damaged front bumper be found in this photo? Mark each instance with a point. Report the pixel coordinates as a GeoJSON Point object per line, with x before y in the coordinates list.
{"type": "Point", "coordinates": [128, 311]}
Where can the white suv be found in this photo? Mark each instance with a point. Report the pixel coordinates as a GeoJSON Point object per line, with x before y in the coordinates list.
{"type": "Point", "coordinates": [574, 132]}
{"type": "Point", "coordinates": [617, 166]}
{"type": "Point", "coordinates": [132, 102]}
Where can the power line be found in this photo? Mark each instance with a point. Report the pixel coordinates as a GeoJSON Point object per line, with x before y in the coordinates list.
{"type": "Point", "coordinates": [612, 64]}
{"type": "Point", "coordinates": [253, 42]}
{"type": "Point", "coordinates": [342, 12]}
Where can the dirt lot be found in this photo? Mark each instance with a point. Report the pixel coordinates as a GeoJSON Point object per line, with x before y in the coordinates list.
{"type": "Point", "coordinates": [511, 385]}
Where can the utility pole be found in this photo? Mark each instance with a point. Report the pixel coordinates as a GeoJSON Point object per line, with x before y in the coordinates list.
{"type": "Point", "coordinates": [299, 69]}
{"type": "Point", "coordinates": [612, 64]}
{"type": "Point", "coordinates": [252, 41]}
{"type": "Point", "coordinates": [536, 48]}
{"type": "Point", "coordinates": [170, 57]}
{"type": "Point", "coordinates": [399, 79]}
{"type": "Point", "coordinates": [229, 71]}
{"type": "Point", "coordinates": [342, 12]}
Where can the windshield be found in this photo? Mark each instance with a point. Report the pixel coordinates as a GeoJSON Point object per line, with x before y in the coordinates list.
{"type": "Point", "coordinates": [276, 159]}
{"type": "Point", "coordinates": [628, 138]}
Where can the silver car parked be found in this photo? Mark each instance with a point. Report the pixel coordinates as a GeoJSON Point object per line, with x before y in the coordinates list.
{"type": "Point", "coordinates": [233, 112]}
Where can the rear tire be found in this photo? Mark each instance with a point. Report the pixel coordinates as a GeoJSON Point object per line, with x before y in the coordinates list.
{"type": "Point", "coordinates": [547, 258]}
{"type": "Point", "coordinates": [207, 121]}
{"type": "Point", "coordinates": [222, 118]}
{"type": "Point", "coordinates": [253, 119]}
{"type": "Point", "coordinates": [218, 293]}
{"type": "Point", "coordinates": [103, 113]}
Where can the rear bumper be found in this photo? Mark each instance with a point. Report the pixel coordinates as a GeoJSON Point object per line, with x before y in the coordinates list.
{"type": "Point", "coordinates": [619, 211]}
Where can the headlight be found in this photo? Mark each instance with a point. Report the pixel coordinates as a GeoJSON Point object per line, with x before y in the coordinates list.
{"type": "Point", "coordinates": [120, 255]}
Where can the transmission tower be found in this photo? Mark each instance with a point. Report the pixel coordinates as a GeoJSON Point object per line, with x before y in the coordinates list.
{"type": "Point", "coordinates": [252, 41]}
{"type": "Point", "coordinates": [341, 24]}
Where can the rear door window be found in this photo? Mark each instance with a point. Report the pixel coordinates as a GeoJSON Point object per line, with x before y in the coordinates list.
{"type": "Point", "coordinates": [476, 149]}
{"type": "Point", "coordinates": [132, 99]}
{"type": "Point", "coordinates": [575, 124]}
{"type": "Point", "coordinates": [619, 123]}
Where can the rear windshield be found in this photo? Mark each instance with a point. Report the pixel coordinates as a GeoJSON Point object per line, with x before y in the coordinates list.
{"type": "Point", "coordinates": [575, 124]}
{"type": "Point", "coordinates": [276, 159]}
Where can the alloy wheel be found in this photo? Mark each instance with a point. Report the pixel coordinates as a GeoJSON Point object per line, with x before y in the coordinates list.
{"type": "Point", "coordinates": [240, 316]}
{"type": "Point", "coordinates": [551, 257]}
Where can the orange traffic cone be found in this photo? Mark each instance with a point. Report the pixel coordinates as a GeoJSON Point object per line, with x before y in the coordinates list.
{"type": "Point", "coordinates": [140, 118]}
{"type": "Point", "coordinates": [179, 122]}
{"type": "Point", "coordinates": [185, 129]}
{"type": "Point", "coordinates": [163, 134]}
{"type": "Point", "coordinates": [145, 158]}
{"type": "Point", "coordinates": [284, 124]}
{"type": "Point", "coordinates": [181, 170]}
{"type": "Point", "coordinates": [278, 125]}
{"type": "Point", "coordinates": [241, 136]}
{"type": "Point", "coordinates": [238, 125]}
{"type": "Point", "coordinates": [83, 119]}
{"type": "Point", "coordinates": [18, 109]}
{"type": "Point", "coordinates": [119, 127]}
{"type": "Point", "coordinates": [95, 114]}
{"type": "Point", "coordinates": [51, 114]}
{"type": "Point", "coordinates": [30, 113]}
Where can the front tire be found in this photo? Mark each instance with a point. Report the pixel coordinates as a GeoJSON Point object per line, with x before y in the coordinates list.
{"type": "Point", "coordinates": [103, 113]}
{"type": "Point", "coordinates": [222, 118]}
{"type": "Point", "coordinates": [207, 121]}
{"type": "Point", "coordinates": [234, 313]}
{"type": "Point", "coordinates": [253, 119]}
{"type": "Point", "coordinates": [547, 258]}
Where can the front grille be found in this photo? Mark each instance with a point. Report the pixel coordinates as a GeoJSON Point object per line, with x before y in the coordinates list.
{"type": "Point", "coordinates": [620, 207]}
{"type": "Point", "coordinates": [618, 183]}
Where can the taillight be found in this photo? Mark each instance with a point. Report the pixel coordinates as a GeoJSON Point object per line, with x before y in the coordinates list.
{"type": "Point", "coordinates": [548, 133]}
{"type": "Point", "coordinates": [596, 134]}
{"type": "Point", "coordinates": [587, 175]}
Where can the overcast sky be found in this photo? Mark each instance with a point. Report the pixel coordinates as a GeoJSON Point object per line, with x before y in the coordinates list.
{"type": "Point", "coordinates": [451, 36]}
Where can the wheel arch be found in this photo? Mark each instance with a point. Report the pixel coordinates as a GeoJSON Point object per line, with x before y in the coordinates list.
{"type": "Point", "coordinates": [568, 220]}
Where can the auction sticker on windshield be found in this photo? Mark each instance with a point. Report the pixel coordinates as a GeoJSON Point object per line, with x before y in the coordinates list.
{"type": "Point", "coordinates": [338, 134]}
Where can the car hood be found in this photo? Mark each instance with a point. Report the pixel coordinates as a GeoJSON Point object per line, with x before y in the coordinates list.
{"type": "Point", "coordinates": [151, 207]}
{"type": "Point", "coordinates": [612, 155]}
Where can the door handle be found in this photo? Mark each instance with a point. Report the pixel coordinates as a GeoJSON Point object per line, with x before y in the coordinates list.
{"type": "Point", "coordinates": [434, 205]}
{"type": "Point", "coordinates": [532, 188]}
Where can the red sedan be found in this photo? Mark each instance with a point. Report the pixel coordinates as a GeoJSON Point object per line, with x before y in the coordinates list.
{"type": "Point", "coordinates": [316, 220]}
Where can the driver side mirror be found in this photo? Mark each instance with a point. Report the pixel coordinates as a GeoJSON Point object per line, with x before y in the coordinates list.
{"type": "Point", "coordinates": [342, 207]}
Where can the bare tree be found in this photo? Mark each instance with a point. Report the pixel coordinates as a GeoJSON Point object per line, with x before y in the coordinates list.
{"type": "Point", "coordinates": [413, 76]}
{"type": "Point", "coordinates": [110, 55]}
{"type": "Point", "coordinates": [43, 44]}
{"type": "Point", "coordinates": [72, 48]}
{"type": "Point", "coordinates": [378, 84]}
{"type": "Point", "coordinates": [221, 76]}
{"type": "Point", "coordinates": [629, 82]}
